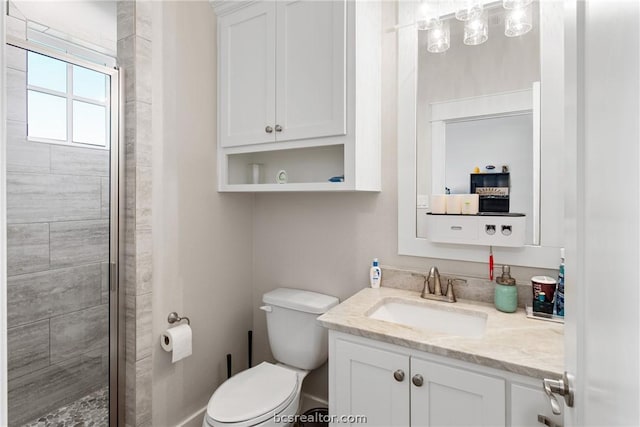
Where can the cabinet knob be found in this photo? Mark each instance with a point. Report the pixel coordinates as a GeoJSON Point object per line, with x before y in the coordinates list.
{"type": "Point", "coordinates": [268, 129]}
{"type": "Point", "coordinates": [417, 380]}
{"type": "Point", "coordinates": [278, 128]}
{"type": "Point", "coordinates": [399, 375]}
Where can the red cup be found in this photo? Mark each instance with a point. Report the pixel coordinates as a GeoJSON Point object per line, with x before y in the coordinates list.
{"type": "Point", "coordinates": [543, 284]}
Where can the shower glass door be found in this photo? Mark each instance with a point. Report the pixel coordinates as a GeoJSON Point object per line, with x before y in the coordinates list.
{"type": "Point", "coordinates": [62, 163]}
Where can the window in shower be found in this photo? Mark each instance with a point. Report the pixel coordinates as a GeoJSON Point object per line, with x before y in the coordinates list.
{"type": "Point", "coordinates": [66, 103]}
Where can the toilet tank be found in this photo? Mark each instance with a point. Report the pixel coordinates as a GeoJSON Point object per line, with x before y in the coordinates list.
{"type": "Point", "coordinates": [295, 337]}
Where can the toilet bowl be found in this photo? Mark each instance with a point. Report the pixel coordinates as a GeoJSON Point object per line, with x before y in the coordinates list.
{"type": "Point", "coordinates": [269, 394]}
{"type": "Point", "coordinates": [265, 395]}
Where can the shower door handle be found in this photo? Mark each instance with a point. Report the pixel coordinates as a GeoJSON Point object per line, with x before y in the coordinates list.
{"type": "Point", "coordinates": [113, 279]}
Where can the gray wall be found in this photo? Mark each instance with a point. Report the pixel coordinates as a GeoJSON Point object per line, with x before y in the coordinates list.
{"type": "Point", "coordinates": [58, 254]}
{"type": "Point", "coordinates": [202, 238]}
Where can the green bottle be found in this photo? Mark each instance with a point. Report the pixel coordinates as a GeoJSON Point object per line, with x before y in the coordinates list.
{"type": "Point", "coordinates": [506, 296]}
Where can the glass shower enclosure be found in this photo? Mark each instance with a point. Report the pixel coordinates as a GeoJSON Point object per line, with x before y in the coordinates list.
{"type": "Point", "coordinates": [62, 162]}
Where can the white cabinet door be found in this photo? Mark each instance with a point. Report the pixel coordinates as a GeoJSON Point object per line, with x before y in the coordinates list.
{"type": "Point", "coordinates": [365, 385]}
{"type": "Point", "coordinates": [527, 402]}
{"type": "Point", "coordinates": [311, 69]}
{"type": "Point", "coordinates": [455, 397]}
{"type": "Point", "coordinates": [247, 75]}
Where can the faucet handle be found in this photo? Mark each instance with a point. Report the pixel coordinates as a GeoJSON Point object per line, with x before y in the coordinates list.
{"type": "Point", "coordinates": [451, 297]}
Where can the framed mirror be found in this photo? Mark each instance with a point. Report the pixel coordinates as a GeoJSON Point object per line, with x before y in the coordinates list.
{"type": "Point", "coordinates": [492, 112]}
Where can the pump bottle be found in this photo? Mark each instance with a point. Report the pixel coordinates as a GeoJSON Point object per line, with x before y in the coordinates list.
{"type": "Point", "coordinates": [375, 274]}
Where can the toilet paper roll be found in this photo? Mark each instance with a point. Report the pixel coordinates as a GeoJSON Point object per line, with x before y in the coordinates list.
{"type": "Point", "coordinates": [438, 204]}
{"type": "Point", "coordinates": [178, 341]}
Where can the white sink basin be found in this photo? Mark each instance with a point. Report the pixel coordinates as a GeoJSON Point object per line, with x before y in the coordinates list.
{"type": "Point", "coordinates": [446, 320]}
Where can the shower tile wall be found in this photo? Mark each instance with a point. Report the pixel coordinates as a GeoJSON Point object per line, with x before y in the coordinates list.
{"type": "Point", "coordinates": [58, 254]}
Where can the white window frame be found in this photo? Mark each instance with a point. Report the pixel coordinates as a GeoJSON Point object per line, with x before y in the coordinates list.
{"type": "Point", "coordinates": [70, 98]}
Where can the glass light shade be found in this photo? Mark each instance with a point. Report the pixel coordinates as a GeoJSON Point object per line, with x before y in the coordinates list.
{"type": "Point", "coordinates": [468, 9]}
{"type": "Point", "coordinates": [439, 37]}
{"type": "Point", "coordinates": [476, 30]}
{"type": "Point", "coordinates": [515, 4]}
{"type": "Point", "coordinates": [518, 21]}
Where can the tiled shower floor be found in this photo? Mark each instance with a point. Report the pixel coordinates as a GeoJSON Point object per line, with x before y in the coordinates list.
{"type": "Point", "coordinates": [89, 411]}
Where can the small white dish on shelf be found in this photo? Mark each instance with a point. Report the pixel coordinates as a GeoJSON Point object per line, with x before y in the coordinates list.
{"type": "Point", "coordinates": [282, 177]}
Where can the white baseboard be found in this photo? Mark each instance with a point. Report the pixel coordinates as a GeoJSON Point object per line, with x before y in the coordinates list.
{"type": "Point", "coordinates": [194, 420]}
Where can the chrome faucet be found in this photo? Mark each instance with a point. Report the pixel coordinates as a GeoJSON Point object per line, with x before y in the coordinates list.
{"type": "Point", "coordinates": [434, 276]}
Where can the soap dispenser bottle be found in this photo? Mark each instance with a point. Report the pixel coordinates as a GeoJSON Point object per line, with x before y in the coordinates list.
{"type": "Point", "coordinates": [506, 296]}
{"type": "Point", "coordinates": [375, 274]}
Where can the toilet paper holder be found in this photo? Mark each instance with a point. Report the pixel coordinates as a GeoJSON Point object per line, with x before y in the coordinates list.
{"type": "Point", "coordinates": [174, 318]}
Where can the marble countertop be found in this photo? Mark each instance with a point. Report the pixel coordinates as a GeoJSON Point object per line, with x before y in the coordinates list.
{"type": "Point", "coordinates": [511, 342]}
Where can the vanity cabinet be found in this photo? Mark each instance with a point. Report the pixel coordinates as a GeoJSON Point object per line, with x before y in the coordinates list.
{"type": "Point", "coordinates": [396, 389]}
{"type": "Point", "coordinates": [398, 386]}
{"type": "Point", "coordinates": [299, 91]}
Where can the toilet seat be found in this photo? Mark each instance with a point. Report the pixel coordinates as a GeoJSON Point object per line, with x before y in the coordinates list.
{"type": "Point", "coordinates": [253, 396]}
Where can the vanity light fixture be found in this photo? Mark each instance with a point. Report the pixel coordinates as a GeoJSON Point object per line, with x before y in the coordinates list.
{"type": "Point", "coordinates": [435, 17]}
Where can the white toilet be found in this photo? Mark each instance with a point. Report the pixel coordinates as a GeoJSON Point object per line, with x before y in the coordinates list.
{"type": "Point", "coordinates": [267, 393]}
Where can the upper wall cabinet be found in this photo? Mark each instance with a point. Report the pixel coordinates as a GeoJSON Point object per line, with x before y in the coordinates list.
{"type": "Point", "coordinates": [284, 72]}
{"type": "Point", "coordinates": [299, 92]}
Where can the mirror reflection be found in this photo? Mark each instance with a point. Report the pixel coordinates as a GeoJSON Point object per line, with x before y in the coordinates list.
{"type": "Point", "coordinates": [478, 118]}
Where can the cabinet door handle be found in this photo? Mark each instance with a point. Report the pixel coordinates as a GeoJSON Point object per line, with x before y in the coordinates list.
{"type": "Point", "coordinates": [417, 380]}
{"type": "Point", "coordinates": [278, 128]}
{"type": "Point", "coordinates": [399, 375]}
{"type": "Point", "coordinates": [268, 129]}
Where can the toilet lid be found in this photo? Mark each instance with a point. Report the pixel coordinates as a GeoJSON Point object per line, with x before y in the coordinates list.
{"type": "Point", "coordinates": [260, 391]}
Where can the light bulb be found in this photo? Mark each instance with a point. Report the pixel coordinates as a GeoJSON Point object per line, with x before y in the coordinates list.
{"type": "Point", "coordinates": [518, 21]}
